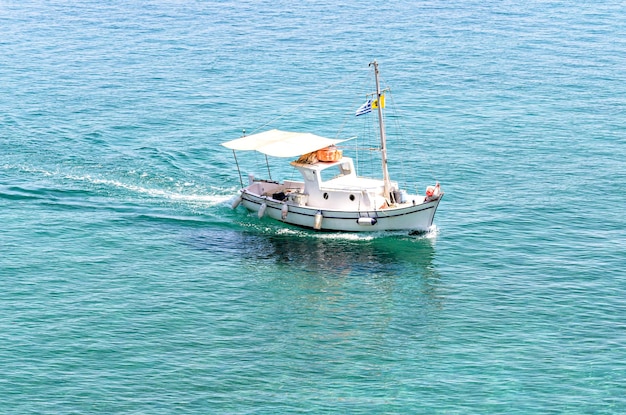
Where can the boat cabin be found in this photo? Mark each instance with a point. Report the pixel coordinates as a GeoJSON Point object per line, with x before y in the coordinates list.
{"type": "Point", "coordinates": [335, 185]}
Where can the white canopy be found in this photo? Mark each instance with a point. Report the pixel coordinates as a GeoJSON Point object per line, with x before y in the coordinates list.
{"type": "Point", "coordinates": [278, 143]}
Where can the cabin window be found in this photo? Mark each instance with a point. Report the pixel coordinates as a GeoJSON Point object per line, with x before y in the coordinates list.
{"type": "Point", "coordinates": [335, 171]}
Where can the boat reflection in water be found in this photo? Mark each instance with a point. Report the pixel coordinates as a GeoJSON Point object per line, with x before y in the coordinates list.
{"type": "Point", "coordinates": [322, 308]}
{"type": "Point", "coordinates": [318, 261]}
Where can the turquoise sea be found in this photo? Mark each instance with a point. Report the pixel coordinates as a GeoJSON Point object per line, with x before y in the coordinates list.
{"type": "Point", "coordinates": [129, 286]}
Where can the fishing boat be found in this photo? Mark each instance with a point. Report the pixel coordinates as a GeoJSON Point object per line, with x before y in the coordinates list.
{"type": "Point", "coordinates": [331, 196]}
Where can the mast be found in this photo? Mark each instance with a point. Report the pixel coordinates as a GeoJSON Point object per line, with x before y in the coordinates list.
{"type": "Point", "coordinates": [383, 138]}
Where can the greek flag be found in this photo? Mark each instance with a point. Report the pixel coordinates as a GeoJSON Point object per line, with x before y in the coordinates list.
{"type": "Point", "coordinates": [365, 108]}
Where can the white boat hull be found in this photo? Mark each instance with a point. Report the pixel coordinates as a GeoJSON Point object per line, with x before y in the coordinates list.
{"type": "Point", "coordinates": [406, 216]}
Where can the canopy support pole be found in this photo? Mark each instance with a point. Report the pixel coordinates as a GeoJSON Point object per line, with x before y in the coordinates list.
{"type": "Point", "coordinates": [238, 170]}
{"type": "Point", "coordinates": [267, 163]}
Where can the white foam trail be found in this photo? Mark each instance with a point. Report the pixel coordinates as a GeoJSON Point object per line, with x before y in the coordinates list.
{"type": "Point", "coordinates": [153, 192]}
{"type": "Point", "coordinates": [432, 232]}
{"type": "Point", "coordinates": [348, 236]}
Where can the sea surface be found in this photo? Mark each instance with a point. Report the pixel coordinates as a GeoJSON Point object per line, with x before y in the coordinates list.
{"type": "Point", "coordinates": [128, 285]}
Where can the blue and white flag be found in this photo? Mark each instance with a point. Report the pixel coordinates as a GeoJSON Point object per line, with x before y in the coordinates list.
{"type": "Point", "coordinates": [365, 108]}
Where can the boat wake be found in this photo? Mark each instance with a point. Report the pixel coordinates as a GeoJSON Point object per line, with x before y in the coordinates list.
{"type": "Point", "coordinates": [209, 199]}
{"type": "Point", "coordinates": [89, 184]}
